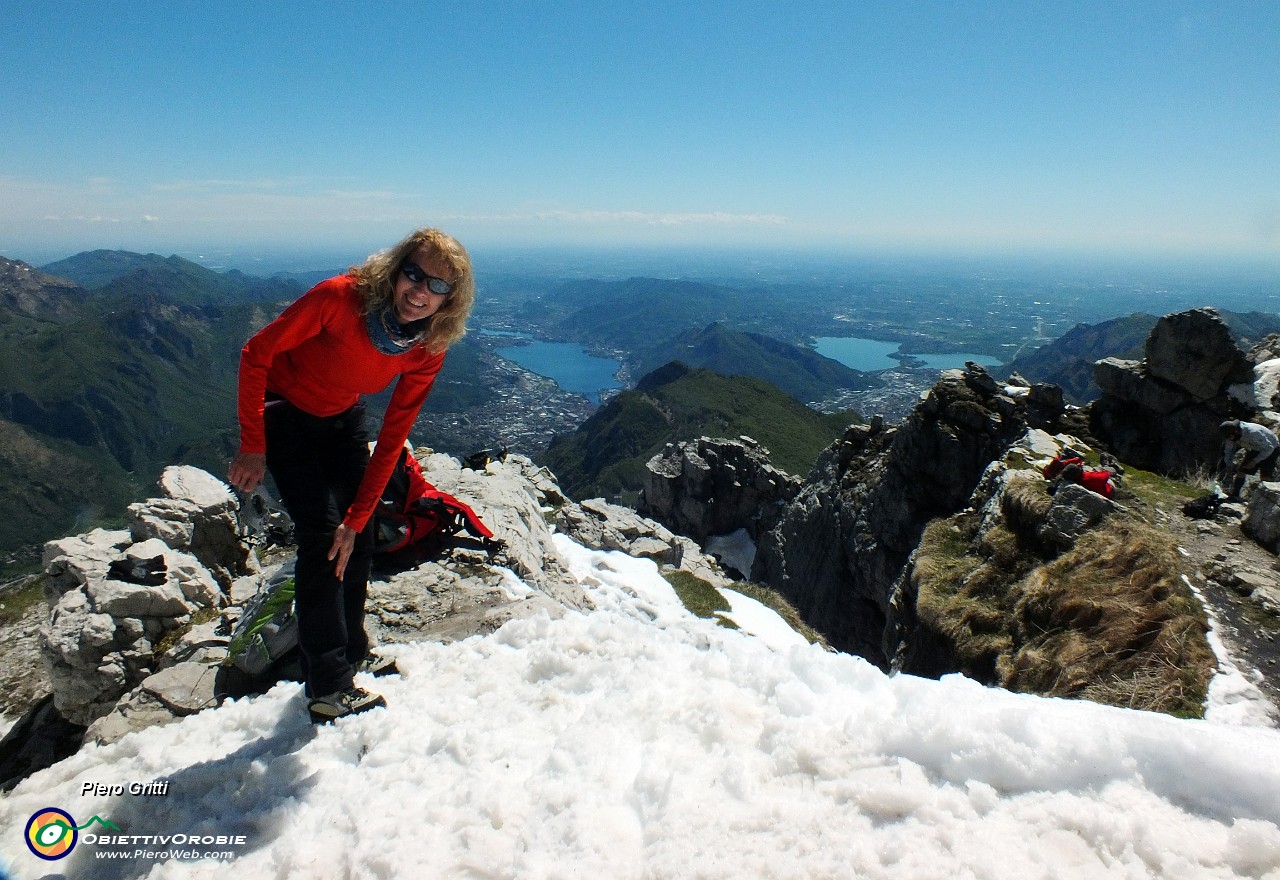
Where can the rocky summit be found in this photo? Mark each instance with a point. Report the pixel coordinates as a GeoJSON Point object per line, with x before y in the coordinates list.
{"type": "Point", "coordinates": [931, 547]}
{"type": "Point", "coordinates": [140, 619]}
{"type": "Point", "coordinates": [1162, 412]}
{"type": "Point", "coordinates": [840, 545]}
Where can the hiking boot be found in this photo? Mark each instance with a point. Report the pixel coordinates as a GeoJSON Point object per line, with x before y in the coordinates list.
{"type": "Point", "coordinates": [378, 666]}
{"type": "Point", "coordinates": [1108, 462]}
{"type": "Point", "coordinates": [340, 704]}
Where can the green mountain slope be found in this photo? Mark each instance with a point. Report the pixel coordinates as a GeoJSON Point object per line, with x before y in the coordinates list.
{"type": "Point", "coordinates": [607, 454]}
{"type": "Point", "coordinates": [118, 273]}
{"type": "Point", "coordinates": [801, 372]}
{"type": "Point", "coordinates": [638, 313]}
{"type": "Point", "coordinates": [100, 390]}
{"type": "Point", "coordinates": [52, 487]}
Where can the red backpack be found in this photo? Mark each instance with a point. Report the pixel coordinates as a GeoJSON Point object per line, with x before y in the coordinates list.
{"type": "Point", "coordinates": [1066, 457]}
{"type": "Point", "coordinates": [414, 515]}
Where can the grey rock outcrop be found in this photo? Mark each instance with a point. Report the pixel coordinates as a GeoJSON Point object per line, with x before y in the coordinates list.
{"type": "Point", "coordinates": [841, 544]}
{"type": "Point", "coordinates": [465, 592]}
{"type": "Point", "coordinates": [460, 593]}
{"type": "Point", "coordinates": [196, 513]}
{"type": "Point", "coordinates": [597, 524]}
{"type": "Point", "coordinates": [1262, 516]}
{"type": "Point", "coordinates": [1162, 413]}
{"type": "Point", "coordinates": [104, 627]}
{"type": "Point", "coordinates": [713, 487]}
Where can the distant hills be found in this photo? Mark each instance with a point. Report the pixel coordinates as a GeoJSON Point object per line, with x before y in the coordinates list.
{"type": "Point", "coordinates": [104, 386]}
{"type": "Point", "coordinates": [800, 372]}
{"type": "Point", "coordinates": [176, 280]}
{"type": "Point", "coordinates": [607, 454]}
{"type": "Point", "coordinates": [639, 313]}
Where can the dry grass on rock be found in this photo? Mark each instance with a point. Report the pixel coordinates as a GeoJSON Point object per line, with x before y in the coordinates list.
{"type": "Point", "coordinates": [1110, 620]}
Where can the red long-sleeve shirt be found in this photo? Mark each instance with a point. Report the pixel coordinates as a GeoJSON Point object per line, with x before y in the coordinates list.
{"type": "Point", "coordinates": [1098, 481]}
{"type": "Point", "coordinates": [317, 355]}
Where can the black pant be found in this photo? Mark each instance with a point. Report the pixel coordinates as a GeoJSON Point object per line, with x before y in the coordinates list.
{"type": "Point", "coordinates": [317, 464]}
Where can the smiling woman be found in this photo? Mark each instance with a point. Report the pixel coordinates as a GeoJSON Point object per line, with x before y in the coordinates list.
{"type": "Point", "coordinates": [301, 417]}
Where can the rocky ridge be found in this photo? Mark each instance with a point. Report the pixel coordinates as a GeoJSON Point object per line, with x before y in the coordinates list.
{"type": "Point", "coordinates": [843, 548]}
{"type": "Point", "coordinates": [842, 545]}
{"type": "Point", "coordinates": [138, 621]}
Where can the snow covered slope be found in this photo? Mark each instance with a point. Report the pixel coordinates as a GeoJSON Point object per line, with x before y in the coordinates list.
{"type": "Point", "coordinates": [637, 741]}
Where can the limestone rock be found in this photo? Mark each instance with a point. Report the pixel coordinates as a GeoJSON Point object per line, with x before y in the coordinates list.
{"type": "Point", "coordinates": [118, 599]}
{"type": "Point", "coordinates": [714, 487]}
{"type": "Point", "coordinates": [1129, 381]}
{"type": "Point", "coordinates": [1162, 413]}
{"type": "Point", "coordinates": [842, 543]}
{"type": "Point", "coordinates": [512, 507]}
{"type": "Point", "coordinates": [197, 514]}
{"type": "Point", "coordinates": [71, 562]}
{"type": "Point", "coordinates": [597, 524]}
{"type": "Point", "coordinates": [136, 711]}
{"type": "Point", "coordinates": [1262, 516]}
{"type": "Point", "coordinates": [1194, 351]}
{"type": "Point", "coordinates": [1075, 509]}
{"type": "Point", "coordinates": [1268, 598]}
{"type": "Point", "coordinates": [100, 639]}
{"type": "Point", "coordinates": [185, 688]}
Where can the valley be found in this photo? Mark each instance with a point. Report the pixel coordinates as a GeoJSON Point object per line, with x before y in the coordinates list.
{"type": "Point", "coordinates": [118, 364]}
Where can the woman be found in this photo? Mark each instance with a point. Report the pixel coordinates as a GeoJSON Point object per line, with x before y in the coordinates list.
{"type": "Point", "coordinates": [301, 378]}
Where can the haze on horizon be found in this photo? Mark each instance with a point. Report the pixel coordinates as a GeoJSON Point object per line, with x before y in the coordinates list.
{"type": "Point", "coordinates": [1148, 128]}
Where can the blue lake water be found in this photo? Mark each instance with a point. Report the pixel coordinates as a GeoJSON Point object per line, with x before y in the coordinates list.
{"type": "Point", "coordinates": [869, 355]}
{"type": "Point", "coordinates": [565, 363]}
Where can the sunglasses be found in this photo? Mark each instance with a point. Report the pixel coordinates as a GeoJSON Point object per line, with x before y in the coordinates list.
{"type": "Point", "coordinates": [416, 275]}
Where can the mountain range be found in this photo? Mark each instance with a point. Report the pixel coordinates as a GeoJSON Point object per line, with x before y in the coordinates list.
{"type": "Point", "coordinates": [103, 387]}
{"type": "Point", "coordinates": [800, 372]}
{"type": "Point", "coordinates": [607, 454]}
{"type": "Point", "coordinates": [115, 364]}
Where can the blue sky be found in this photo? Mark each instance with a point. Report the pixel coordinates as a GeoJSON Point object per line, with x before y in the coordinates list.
{"type": "Point", "coordinates": [1116, 127]}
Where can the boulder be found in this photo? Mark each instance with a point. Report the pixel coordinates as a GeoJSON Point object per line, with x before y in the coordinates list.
{"type": "Point", "coordinates": [1074, 510]}
{"type": "Point", "coordinates": [1262, 516]}
{"type": "Point", "coordinates": [1162, 413]}
{"type": "Point", "coordinates": [713, 487]}
{"type": "Point", "coordinates": [184, 688]}
{"type": "Point", "coordinates": [1194, 351]}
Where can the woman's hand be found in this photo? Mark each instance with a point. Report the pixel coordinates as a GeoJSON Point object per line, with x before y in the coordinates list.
{"type": "Point", "coordinates": [344, 541]}
{"type": "Point", "coordinates": [247, 470]}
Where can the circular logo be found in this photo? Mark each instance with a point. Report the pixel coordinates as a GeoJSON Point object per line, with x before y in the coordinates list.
{"type": "Point", "coordinates": [51, 833]}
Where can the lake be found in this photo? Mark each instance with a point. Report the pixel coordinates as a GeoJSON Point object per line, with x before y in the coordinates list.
{"type": "Point", "coordinates": [565, 363]}
{"type": "Point", "coordinates": [870, 355]}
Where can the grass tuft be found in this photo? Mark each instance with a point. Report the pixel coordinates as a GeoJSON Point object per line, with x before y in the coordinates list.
{"type": "Point", "coordinates": [1111, 620]}
{"type": "Point", "coordinates": [14, 604]}
{"type": "Point", "coordinates": [697, 595]}
{"type": "Point", "coordinates": [775, 601]}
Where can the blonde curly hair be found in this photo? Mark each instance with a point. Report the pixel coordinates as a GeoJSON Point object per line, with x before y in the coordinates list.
{"type": "Point", "coordinates": [376, 283]}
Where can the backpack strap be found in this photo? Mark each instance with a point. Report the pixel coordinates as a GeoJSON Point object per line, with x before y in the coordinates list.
{"type": "Point", "coordinates": [461, 513]}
